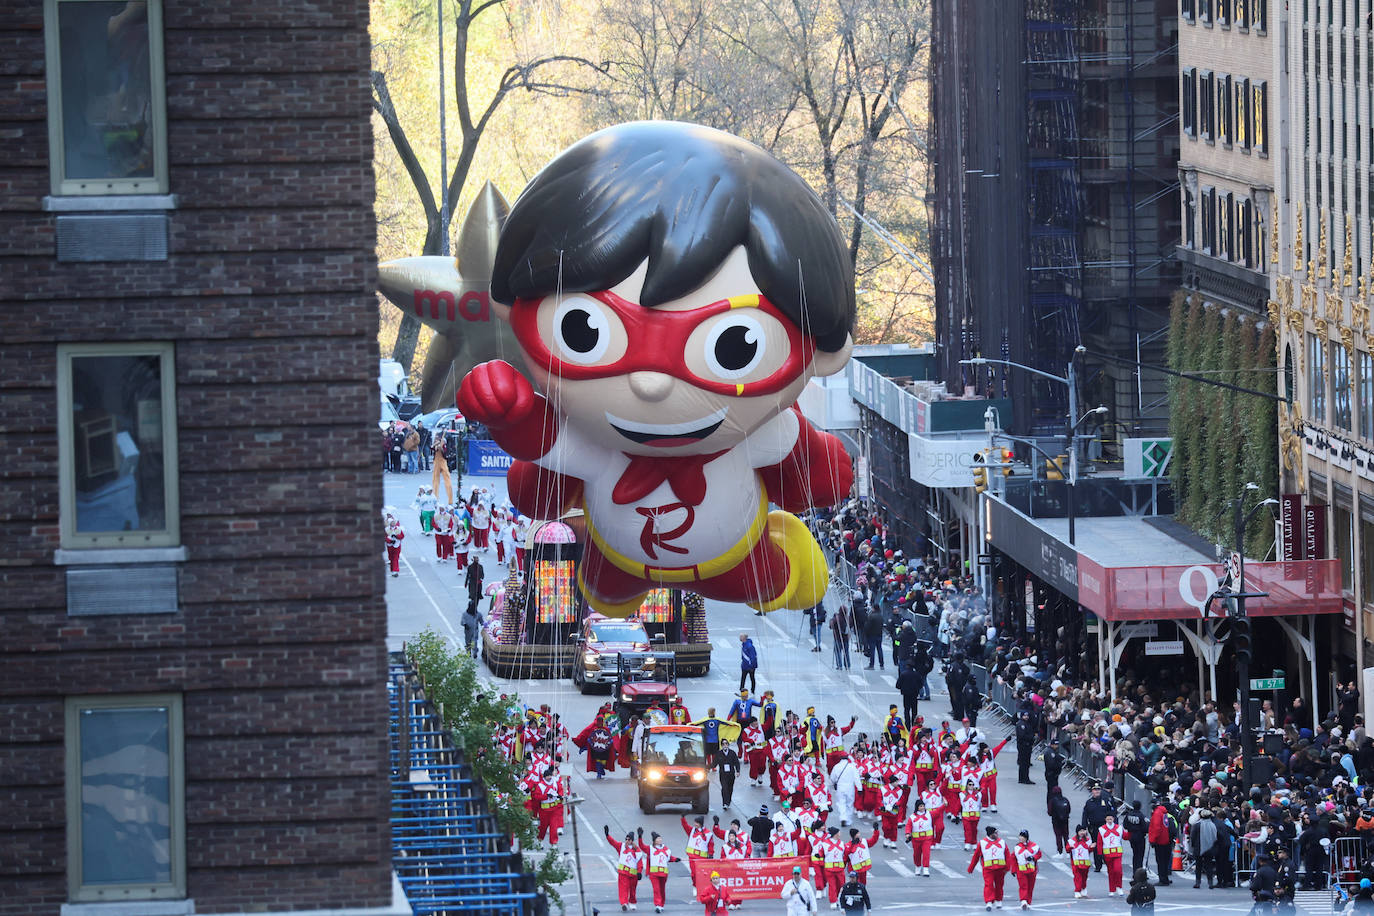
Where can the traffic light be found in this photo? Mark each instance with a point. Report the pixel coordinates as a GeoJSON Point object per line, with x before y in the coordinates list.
{"type": "Point", "coordinates": [980, 472]}
{"type": "Point", "coordinates": [1007, 457]}
{"type": "Point", "coordinates": [1240, 637]}
{"type": "Point", "coordinates": [1053, 468]}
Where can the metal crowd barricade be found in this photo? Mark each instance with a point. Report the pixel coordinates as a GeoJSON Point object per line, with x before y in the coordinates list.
{"type": "Point", "coordinates": [1246, 852]}
{"type": "Point", "coordinates": [449, 854]}
{"type": "Point", "coordinates": [1347, 858]}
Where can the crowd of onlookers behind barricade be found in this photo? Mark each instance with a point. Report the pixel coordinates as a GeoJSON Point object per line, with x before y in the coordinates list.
{"type": "Point", "coordinates": [1168, 759]}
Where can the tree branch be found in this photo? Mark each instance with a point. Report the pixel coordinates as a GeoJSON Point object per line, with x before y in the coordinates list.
{"type": "Point", "coordinates": [383, 105]}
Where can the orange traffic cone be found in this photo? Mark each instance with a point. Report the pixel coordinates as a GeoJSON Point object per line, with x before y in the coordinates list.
{"type": "Point", "coordinates": [1177, 864]}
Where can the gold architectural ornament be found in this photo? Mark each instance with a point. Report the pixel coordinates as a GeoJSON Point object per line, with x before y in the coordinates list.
{"type": "Point", "coordinates": [1283, 290]}
{"type": "Point", "coordinates": [1309, 300]}
{"type": "Point", "coordinates": [1274, 230]}
{"type": "Point", "coordinates": [1346, 265]}
{"type": "Point", "coordinates": [1297, 240]}
{"type": "Point", "coordinates": [1322, 245]}
{"type": "Point", "coordinates": [1333, 311]}
{"type": "Point", "coordinates": [1290, 442]}
{"type": "Point", "coordinates": [1359, 315]}
{"type": "Point", "coordinates": [1319, 325]}
{"type": "Point", "coordinates": [1275, 314]}
{"type": "Point", "coordinates": [1311, 268]}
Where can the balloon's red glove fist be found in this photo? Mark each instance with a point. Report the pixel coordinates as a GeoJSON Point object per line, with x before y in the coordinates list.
{"type": "Point", "coordinates": [495, 394]}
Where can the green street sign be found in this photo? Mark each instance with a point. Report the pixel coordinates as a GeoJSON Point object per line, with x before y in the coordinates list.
{"type": "Point", "coordinates": [1266, 683]}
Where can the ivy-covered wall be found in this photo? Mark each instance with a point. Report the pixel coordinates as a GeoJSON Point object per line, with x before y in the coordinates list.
{"type": "Point", "coordinates": [1222, 439]}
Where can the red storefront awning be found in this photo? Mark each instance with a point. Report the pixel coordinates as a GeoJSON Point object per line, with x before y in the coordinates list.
{"type": "Point", "coordinates": [1299, 587]}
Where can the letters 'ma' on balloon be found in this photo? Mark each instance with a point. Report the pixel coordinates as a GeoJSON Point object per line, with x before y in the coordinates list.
{"type": "Point", "coordinates": [672, 289]}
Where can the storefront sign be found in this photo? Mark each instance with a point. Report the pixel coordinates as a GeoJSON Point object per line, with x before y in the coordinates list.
{"type": "Point", "coordinates": [1314, 532]}
{"type": "Point", "coordinates": [1049, 558]}
{"type": "Point", "coordinates": [1290, 519]}
{"type": "Point", "coordinates": [1140, 630]}
{"type": "Point", "coordinates": [943, 462]}
{"type": "Point", "coordinates": [1164, 647]}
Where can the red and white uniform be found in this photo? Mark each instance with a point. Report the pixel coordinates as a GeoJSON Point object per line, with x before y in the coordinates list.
{"type": "Point", "coordinates": [789, 782]}
{"type": "Point", "coordinates": [923, 764]}
{"type": "Point", "coordinates": [1081, 860]}
{"type": "Point", "coordinates": [818, 794]}
{"type": "Point", "coordinates": [698, 840]}
{"type": "Point", "coordinates": [934, 797]}
{"type": "Point", "coordinates": [755, 750]}
{"type": "Point", "coordinates": [952, 771]}
{"type": "Point", "coordinates": [970, 811]}
{"type": "Point", "coordinates": [548, 795]}
{"type": "Point", "coordinates": [987, 775]}
{"type": "Point", "coordinates": [736, 847]}
{"type": "Point", "coordinates": [870, 778]}
{"type": "Point", "coordinates": [920, 833]}
{"type": "Point", "coordinates": [857, 855]}
{"type": "Point", "coordinates": [658, 856]}
{"type": "Point", "coordinates": [891, 807]}
{"type": "Point", "coordinates": [831, 853]}
{"type": "Point", "coordinates": [462, 540]}
{"type": "Point", "coordinates": [1026, 857]}
{"type": "Point", "coordinates": [992, 853]}
{"type": "Point", "coordinates": [443, 533]}
{"type": "Point", "coordinates": [395, 534]}
{"type": "Point", "coordinates": [782, 844]}
{"type": "Point", "coordinates": [1110, 844]}
{"type": "Point", "coordinates": [629, 867]}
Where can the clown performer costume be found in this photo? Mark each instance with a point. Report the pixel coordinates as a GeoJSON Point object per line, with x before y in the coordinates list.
{"type": "Point", "coordinates": [426, 503]}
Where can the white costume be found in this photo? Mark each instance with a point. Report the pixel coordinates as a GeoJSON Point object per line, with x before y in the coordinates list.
{"type": "Point", "coordinates": [846, 782]}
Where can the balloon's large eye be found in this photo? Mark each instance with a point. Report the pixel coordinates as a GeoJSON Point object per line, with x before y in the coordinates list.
{"type": "Point", "coordinates": [735, 346]}
{"type": "Point", "coordinates": [581, 331]}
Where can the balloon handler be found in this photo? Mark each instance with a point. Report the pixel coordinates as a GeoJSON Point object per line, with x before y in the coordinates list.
{"type": "Point", "coordinates": [672, 288]}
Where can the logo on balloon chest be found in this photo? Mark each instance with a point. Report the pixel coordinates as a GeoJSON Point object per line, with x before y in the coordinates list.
{"type": "Point", "coordinates": [664, 524]}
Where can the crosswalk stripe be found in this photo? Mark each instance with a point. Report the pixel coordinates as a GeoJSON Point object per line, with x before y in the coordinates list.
{"type": "Point", "coordinates": [945, 870]}
{"type": "Point", "coordinates": [1061, 866]}
{"type": "Point", "coordinates": [902, 870]}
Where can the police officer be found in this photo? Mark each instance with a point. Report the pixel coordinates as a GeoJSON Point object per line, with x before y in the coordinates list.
{"type": "Point", "coordinates": [1095, 811]}
{"type": "Point", "coordinates": [1025, 743]}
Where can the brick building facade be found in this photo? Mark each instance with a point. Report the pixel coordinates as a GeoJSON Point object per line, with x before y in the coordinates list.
{"type": "Point", "coordinates": [193, 657]}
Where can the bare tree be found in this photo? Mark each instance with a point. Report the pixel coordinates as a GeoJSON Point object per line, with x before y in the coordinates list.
{"type": "Point", "coordinates": [550, 73]}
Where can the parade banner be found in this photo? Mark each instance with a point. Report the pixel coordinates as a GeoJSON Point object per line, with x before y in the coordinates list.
{"type": "Point", "coordinates": [486, 459]}
{"type": "Point", "coordinates": [746, 879]}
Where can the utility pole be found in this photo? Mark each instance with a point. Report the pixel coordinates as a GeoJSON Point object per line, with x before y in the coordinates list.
{"type": "Point", "coordinates": [443, 143]}
{"type": "Point", "coordinates": [1071, 439]}
{"type": "Point", "coordinates": [1241, 630]}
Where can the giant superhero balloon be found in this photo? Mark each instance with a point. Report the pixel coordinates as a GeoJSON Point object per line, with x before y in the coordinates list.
{"type": "Point", "coordinates": [672, 288]}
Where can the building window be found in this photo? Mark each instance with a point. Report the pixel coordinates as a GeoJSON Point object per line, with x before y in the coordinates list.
{"type": "Point", "coordinates": [117, 445]}
{"type": "Point", "coordinates": [126, 831]}
{"type": "Point", "coordinates": [1224, 235]}
{"type": "Point", "coordinates": [1187, 10]}
{"type": "Point", "coordinates": [1247, 232]}
{"type": "Point", "coordinates": [107, 121]}
{"type": "Point", "coordinates": [1259, 111]}
{"type": "Point", "coordinates": [1209, 220]}
{"type": "Point", "coordinates": [1188, 102]}
{"type": "Point", "coordinates": [1204, 11]}
{"type": "Point", "coordinates": [1364, 379]}
{"type": "Point", "coordinates": [1242, 97]}
{"type": "Point", "coordinates": [1224, 12]}
{"type": "Point", "coordinates": [1207, 100]}
{"type": "Point", "coordinates": [1259, 14]}
{"type": "Point", "coordinates": [1225, 110]}
{"type": "Point", "coordinates": [1340, 386]}
{"type": "Point", "coordinates": [1316, 378]}
{"type": "Point", "coordinates": [1366, 552]}
{"type": "Point", "coordinates": [1243, 13]}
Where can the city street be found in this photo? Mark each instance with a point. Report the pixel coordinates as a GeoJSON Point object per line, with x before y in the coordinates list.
{"type": "Point", "coordinates": [427, 594]}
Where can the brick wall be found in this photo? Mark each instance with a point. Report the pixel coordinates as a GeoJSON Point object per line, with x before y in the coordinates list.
{"type": "Point", "coordinates": [279, 646]}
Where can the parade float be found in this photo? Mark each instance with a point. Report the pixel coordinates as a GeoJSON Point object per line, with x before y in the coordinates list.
{"type": "Point", "coordinates": [539, 625]}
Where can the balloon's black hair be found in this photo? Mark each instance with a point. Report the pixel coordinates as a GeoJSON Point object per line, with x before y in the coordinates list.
{"type": "Point", "coordinates": [683, 196]}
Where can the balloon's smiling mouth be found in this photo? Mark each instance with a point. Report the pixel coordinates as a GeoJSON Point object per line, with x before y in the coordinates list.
{"type": "Point", "coordinates": [666, 435]}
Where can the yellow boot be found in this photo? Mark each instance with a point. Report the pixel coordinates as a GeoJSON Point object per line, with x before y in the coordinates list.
{"type": "Point", "coordinates": [808, 576]}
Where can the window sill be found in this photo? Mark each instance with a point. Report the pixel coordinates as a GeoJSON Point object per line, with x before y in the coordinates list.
{"type": "Point", "coordinates": [131, 908]}
{"type": "Point", "coordinates": [108, 203]}
{"type": "Point", "coordinates": [118, 556]}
